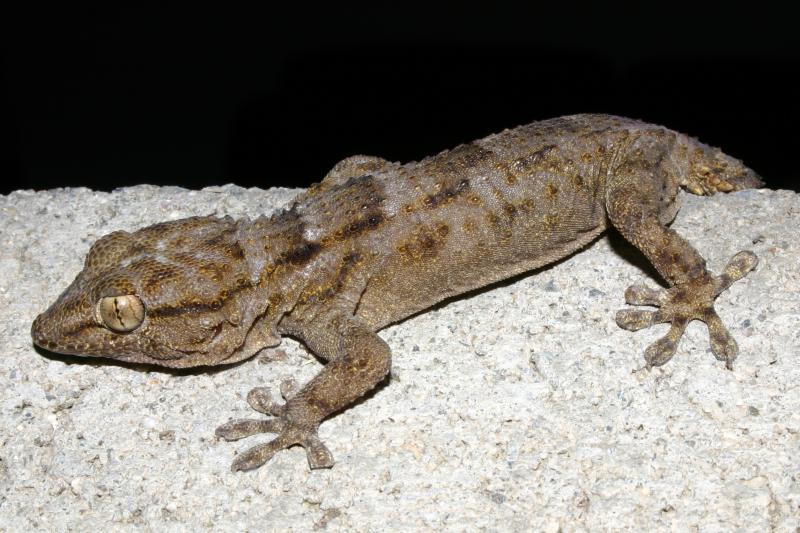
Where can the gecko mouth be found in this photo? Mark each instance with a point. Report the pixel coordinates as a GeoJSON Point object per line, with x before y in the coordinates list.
{"type": "Point", "coordinates": [44, 335]}
{"type": "Point", "coordinates": [59, 337]}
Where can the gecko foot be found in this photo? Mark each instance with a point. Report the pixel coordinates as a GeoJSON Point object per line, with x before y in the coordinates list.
{"type": "Point", "coordinates": [680, 305]}
{"type": "Point", "coordinates": [289, 431]}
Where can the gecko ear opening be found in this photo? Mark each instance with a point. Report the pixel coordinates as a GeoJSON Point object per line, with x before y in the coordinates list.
{"type": "Point", "coordinates": [122, 314]}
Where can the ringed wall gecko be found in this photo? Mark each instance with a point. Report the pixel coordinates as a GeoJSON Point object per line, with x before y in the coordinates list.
{"type": "Point", "coordinates": [377, 241]}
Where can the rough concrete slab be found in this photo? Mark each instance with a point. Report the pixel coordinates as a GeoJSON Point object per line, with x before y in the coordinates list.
{"type": "Point", "coordinates": [520, 408]}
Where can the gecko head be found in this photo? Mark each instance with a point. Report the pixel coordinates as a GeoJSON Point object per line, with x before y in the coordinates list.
{"type": "Point", "coordinates": [710, 171]}
{"type": "Point", "coordinates": [174, 294]}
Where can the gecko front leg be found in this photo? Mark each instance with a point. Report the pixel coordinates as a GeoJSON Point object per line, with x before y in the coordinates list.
{"type": "Point", "coordinates": [635, 203]}
{"type": "Point", "coordinates": [358, 360]}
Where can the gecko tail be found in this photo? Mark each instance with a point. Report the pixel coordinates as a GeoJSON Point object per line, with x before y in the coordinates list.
{"type": "Point", "coordinates": [746, 180]}
{"type": "Point", "coordinates": [712, 171]}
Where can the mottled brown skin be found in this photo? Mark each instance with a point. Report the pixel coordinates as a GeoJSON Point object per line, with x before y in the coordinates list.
{"type": "Point", "coordinates": [377, 241]}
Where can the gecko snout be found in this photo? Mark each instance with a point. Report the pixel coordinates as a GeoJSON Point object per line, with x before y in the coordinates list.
{"type": "Point", "coordinates": [47, 331]}
{"type": "Point", "coordinates": [38, 332]}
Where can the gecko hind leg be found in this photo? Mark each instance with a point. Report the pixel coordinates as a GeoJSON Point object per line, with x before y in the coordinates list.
{"type": "Point", "coordinates": [260, 399]}
{"type": "Point", "coordinates": [682, 303]}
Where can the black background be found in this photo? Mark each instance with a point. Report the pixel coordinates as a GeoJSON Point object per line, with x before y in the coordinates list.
{"type": "Point", "coordinates": [211, 95]}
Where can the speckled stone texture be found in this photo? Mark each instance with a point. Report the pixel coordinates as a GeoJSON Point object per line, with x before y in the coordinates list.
{"type": "Point", "coordinates": [520, 408]}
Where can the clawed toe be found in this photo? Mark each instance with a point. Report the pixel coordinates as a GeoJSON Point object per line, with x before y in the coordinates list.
{"type": "Point", "coordinates": [664, 348]}
{"type": "Point", "coordinates": [636, 319]}
{"type": "Point", "coordinates": [644, 295]}
{"type": "Point", "coordinates": [723, 345]}
{"type": "Point", "coordinates": [245, 427]}
{"type": "Point", "coordinates": [660, 352]}
{"type": "Point", "coordinates": [289, 388]}
{"type": "Point", "coordinates": [738, 267]}
{"type": "Point", "coordinates": [260, 399]}
{"type": "Point", "coordinates": [258, 455]}
{"type": "Point", "coordinates": [319, 456]}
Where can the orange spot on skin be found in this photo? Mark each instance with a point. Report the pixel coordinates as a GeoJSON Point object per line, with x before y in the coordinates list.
{"type": "Point", "coordinates": [469, 226]}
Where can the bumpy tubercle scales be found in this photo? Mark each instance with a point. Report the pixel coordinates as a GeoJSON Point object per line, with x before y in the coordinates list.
{"type": "Point", "coordinates": [376, 242]}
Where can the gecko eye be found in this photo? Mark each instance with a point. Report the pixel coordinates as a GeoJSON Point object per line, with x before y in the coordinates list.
{"type": "Point", "coordinates": [121, 313]}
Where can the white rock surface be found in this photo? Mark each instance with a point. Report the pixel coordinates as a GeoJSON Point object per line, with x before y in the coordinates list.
{"type": "Point", "coordinates": [517, 409]}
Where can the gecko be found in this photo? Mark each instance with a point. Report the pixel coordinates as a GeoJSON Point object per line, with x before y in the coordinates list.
{"type": "Point", "coordinates": [378, 241]}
